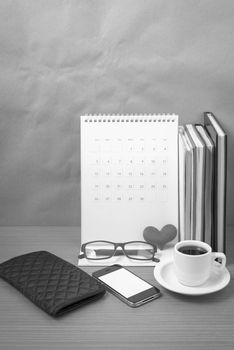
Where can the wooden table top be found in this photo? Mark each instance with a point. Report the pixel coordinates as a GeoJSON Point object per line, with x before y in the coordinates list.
{"type": "Point", "coordinates": [171, 322]}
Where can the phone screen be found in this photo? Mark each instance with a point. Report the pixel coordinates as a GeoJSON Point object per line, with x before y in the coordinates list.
{"type": "Point", "coordinates": [125, 283]}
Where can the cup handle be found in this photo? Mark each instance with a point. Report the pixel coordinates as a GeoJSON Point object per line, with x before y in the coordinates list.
{"type": "Point", "coordinates": [222, 257]}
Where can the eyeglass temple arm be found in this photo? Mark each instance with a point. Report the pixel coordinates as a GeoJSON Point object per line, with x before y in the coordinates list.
{"type": "Point", "coordinates": [102, 252]}
{"type": "Point", "coordinates": [156, 259]}
{"type": "Point", "coordinates": [117, 252]}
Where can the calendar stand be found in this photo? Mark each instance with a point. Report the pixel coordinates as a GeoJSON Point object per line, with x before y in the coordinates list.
{"type": "Point", "coordinates": [129, 177]}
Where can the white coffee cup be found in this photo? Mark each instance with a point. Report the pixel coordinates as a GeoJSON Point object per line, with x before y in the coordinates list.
{"type": "Point", "coordinates": [194, 270]}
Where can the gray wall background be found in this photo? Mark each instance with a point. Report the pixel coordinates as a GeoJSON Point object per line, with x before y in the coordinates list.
{"type": "Point", "coordinates": [60, 59]}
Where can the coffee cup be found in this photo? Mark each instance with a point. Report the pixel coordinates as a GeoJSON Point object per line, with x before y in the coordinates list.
{"type": "Point", "coordinates": [194, 261]}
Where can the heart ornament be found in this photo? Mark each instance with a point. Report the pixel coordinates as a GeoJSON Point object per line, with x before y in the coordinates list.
{"type": "Point", "coordinates": [159, 238]}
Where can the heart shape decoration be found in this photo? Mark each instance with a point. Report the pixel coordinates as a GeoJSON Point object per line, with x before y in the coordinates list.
{"type": "Point", "coordinates": [159, 238]}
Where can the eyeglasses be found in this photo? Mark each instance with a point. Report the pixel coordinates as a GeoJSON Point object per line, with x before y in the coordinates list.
{"type": "Point", "coordinates": [136, 250]}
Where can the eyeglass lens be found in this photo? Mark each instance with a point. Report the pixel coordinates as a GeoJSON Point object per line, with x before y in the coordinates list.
{"type": "Point", "coordinates": [99, 250]}
{"type": "Point", "coordinates": [138, 250]}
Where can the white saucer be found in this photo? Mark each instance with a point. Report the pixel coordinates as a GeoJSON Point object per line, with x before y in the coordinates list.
{"type": "Point", "coordinates": [164, 274]}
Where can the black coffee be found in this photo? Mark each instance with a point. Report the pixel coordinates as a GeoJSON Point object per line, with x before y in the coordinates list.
{"type": "Point", "coordinates": [192, 250]}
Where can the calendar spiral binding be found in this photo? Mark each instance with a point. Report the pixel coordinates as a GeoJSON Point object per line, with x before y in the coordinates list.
{"type": "Point", "coordinates": [130, 118]}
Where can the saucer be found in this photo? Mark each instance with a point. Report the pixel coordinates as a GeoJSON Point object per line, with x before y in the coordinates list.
{"type": "Point", "coordinates": [165, 276]}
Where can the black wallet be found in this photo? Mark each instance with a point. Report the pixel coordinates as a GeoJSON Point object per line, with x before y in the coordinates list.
{"type": "Point", "coordinates": [53, 284]}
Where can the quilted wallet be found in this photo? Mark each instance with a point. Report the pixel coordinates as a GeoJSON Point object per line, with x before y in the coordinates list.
{"type": "Point", "coordinates": [53, 284]}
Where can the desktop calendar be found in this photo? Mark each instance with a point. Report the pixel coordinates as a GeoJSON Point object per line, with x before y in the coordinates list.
{"type": "Point", "coordinates": [129, 175]}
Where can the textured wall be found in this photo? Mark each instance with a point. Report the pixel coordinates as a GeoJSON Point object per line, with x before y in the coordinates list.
{"type": "Point", "coordinates": [62, 58]}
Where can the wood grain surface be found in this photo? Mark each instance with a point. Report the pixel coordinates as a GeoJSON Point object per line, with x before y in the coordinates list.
{"type": "Point", "coordinates": [170, 322]}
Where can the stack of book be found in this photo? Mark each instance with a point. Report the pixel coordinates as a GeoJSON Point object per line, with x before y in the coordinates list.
{"type": "Point", "coordinates": [202, 177]}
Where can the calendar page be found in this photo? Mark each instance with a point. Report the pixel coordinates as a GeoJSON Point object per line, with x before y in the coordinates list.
{"type": "Point", "coordinates": [129, 175]}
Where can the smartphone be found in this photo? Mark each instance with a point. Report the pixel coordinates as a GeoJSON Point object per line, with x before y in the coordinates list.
{"type": "Point", "coordinates": [127, 286]}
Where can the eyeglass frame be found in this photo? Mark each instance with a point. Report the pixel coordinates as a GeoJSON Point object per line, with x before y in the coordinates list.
{"type": "Point", "coordinates": [116, 245]}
